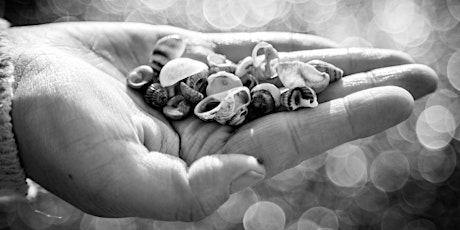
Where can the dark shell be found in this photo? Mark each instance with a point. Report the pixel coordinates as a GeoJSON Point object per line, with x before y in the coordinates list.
{"type": "Point", "coordinates": [291, 99]}
{"type": "Point", "coordinates": [249, 80]}
{"type": "Point", "coordinates": [156, 95]}
{"type": "Point", "coordinates": [262, 102]}
{"type": "Point", "coordinates": [198, 81]}
{"type": "Point", "coordinates": [335, 73]}
{"type": "Point", "coordinates": [190, 94]}
{"type": "Point", "coordinates": [177, 108]}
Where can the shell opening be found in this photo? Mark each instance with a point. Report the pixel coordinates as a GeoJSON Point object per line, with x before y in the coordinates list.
{"type": "Point", "coordinates": [209, 106]}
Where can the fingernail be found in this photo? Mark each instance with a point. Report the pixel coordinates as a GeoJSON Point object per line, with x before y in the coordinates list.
{"type": "Point", "coordinates": [245, 180]}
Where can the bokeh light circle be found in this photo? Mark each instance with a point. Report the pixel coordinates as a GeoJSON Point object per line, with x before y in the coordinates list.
{"type": "Point", "coordinates": [234, 208]}
{"type": "Point", "coordinates": [435, 127]}
{"type": "Point", "coordinates": [436, 166]}
{"type": "Point", "coordinates": [420, 224]}
{"type": "Point", "coordinates": [346, 166]}
{"type": "Point", "coordinates": [318, 218]}
{"type": "Point", "coordinates": [453, 70]}
{"type": "Point", "coordinates": [264, 215]}
{"type": "Point", "coordinates": [389, 171]}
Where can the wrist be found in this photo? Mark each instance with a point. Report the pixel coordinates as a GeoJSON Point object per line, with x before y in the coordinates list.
{"type": "Point", "coordinates": [12, 176]}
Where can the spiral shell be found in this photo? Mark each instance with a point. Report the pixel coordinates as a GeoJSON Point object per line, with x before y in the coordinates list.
{"type": "Point", "coordinates": [156, 95]}
{"type": "Point", "coordinates": [198, 81]}
{"type": "Point", "coordinates": [227, 107]}
{"type": "Point", "coordinates": [140, 76]}
{"type": "Point", "coordinates": [295, 74]}
{"type": "Point", "coordinates": [265, 98]}
{"type": "Point", "coordinates": [335, 73]}
{"type": "Point", "coordinates": [218, 62]}
{"type": "Point", "coordinates": [177, 108]}
{"type": "Point", "coordinates": [299, 97]}
{"type": "Point", "coordinates": [222, 81]}
{"type": "Point", "coordinates": [190, 94]}
{"type": "Point", "coordinates": [166, 49]}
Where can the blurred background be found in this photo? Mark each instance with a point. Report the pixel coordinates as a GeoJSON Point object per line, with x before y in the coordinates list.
{"type": "Point", "coordinates": [407, 177]}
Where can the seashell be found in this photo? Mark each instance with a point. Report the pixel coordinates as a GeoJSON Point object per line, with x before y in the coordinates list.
{"type": "Point", "coordinates": [165, 49]}
{"type": "Point", "coordinates": [140, 76]}
{"type": "Point", "coordinates": [249, 80]}
{"type": "Point", "coordinates": [335, 73]}
{"type": "Point", "coordinates": [271, 59]}
{"type": "Point", "coordinates": [299, 97]}
{"type": "Point", "coordinates": [218, 62]}
{"type": "Point", "coordinates": [227, 107]}
{"type": "Point", "coordinates": [295, 74]}
{"type": "Point", "coordinates": [156, 95]}
{"type": "Point", "coordinates": [198, 82]}
{"type": "Point", "coordinates": [222, 81]}
{"type": "Point", "coordinates": [177, 108]}
{"type": "Point", "coordinates": [190, 94]}
{"type": "Point", "coordinates": [265, 98]}
{"type": "Point", "coordinates": [244, 66]}
{"type": "Point", "coordinates": [179, 69]}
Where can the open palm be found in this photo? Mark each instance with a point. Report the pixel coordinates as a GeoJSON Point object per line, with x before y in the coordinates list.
{"type": "Point", "coordinates": [91, 140]}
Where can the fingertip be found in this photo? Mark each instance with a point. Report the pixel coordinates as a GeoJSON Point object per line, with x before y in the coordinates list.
{"type": "Point", "coordinates": [374, 110]}
{"type": "Point", "coordinates": [425, 79]}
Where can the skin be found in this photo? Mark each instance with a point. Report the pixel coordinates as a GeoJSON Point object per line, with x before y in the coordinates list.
{"type": "Point", "coordinates": [88, 138]}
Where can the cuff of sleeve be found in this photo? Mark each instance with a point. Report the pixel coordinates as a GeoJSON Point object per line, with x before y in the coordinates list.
{"type": "Point", "coordinates": [12, 176]}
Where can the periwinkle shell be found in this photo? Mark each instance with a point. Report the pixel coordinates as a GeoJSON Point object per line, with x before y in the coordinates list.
{"type": "Point", "coordinates": [156, 95]}
{"type": "Point", "coordinates": [299, 97]}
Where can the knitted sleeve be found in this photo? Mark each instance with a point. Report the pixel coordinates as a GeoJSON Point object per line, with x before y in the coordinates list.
{"type": "Point", "coordinates": [12, 175]}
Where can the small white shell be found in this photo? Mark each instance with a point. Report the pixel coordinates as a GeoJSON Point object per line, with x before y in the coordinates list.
{"type": "Point", "coordinates": [222, 81]}
{"type": "Point", "coordinates": [228, 107]}
{"type": "Point", "coordinates": [140, 76]}
{"type": "Point", "coordinates": [179, 69]}
{"type": "Point", "coordinates": [295, 74]}
{"type": "Point", "coordinates": [218, 62]}
{"type": "Point", "coordinates": [244, 66]}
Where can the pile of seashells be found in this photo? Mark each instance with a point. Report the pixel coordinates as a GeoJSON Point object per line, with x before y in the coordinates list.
{"type": "Point", "coordinates": [226, 92]}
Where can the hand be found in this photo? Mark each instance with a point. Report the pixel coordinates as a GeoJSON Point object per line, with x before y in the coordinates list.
{"type": "Point", "coordinates": [89, 139]}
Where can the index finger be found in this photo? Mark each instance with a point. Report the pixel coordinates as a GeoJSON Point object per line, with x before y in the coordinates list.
{"type": "Point", "coordinates": [236, 46]}
{"type": "Point", "coordinates": [283, 140]}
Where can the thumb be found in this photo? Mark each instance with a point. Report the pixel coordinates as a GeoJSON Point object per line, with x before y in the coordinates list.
{"type": "Point", "coordinates": [214, 177]}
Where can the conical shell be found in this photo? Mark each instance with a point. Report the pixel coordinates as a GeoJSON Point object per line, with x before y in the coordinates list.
{"type": "Point", "coordinates": [156, 95]}
{"type": "Point", "coordinates": [190, 94]}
